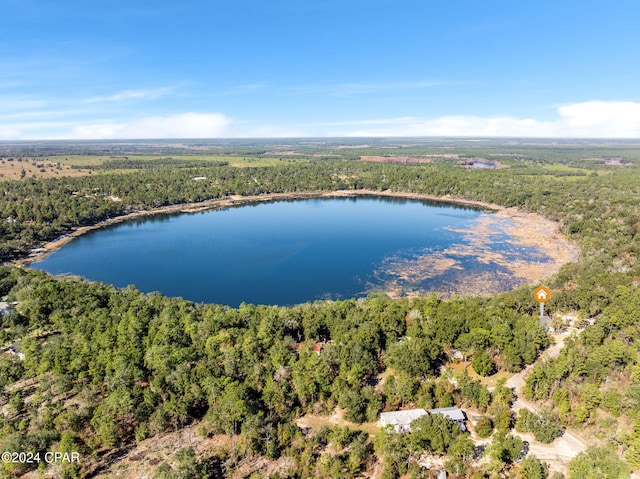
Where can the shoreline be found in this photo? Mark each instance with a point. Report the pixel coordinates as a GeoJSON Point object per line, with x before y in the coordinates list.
{"type": "Point", "coordinates": [529, 229]}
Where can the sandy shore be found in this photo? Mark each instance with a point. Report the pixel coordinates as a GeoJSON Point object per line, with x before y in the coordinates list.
{"type": "Point", "coordinates": [528, 229]}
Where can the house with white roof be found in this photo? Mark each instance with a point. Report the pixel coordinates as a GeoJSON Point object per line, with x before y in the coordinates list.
{"type": "Point", "coordinates": [401, 420]}
{"type": "Point", "coordinates": [457, 415]}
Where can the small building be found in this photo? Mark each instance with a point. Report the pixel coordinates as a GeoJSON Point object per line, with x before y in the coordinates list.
{"type": "Point", "coordinates": [456, 355]}
{"type": "Point", "coordinates": [457, 415]}
{"type": "Point", "coordinates": [401, 420]}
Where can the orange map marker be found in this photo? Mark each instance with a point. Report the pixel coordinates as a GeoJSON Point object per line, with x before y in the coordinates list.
{"type": "Point", "coordinates": [542, 294]}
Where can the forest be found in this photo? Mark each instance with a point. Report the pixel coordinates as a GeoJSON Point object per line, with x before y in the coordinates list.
{"type": "Point", "coordinates": [104, 369]}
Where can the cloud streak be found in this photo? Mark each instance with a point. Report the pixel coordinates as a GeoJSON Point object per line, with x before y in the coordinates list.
{"type": "Point", "coordinates": [593, 119]}
{"type": "Point", "coordinates": [355, 89]}
{"type": "Point", "coordinates": [129, 95]}
{"type": "Point", "coordinates": [186, 125]}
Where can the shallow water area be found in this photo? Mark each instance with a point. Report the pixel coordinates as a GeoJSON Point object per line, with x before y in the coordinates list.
{"type": "Point", "coordinates": [479, 164]}
{"type": "Point", "coordinates": [291, 251]}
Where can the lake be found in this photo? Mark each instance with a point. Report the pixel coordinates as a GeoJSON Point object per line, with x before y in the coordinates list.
{"type": "Point", "coordinates": [480, 164]}
{"type": "Point", "coordinates": [292, 251]}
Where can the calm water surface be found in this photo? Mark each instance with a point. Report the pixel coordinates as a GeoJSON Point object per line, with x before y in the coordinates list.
{"type": "Point", "coordinates": [281, 252]}
{"type": "Point", "coordinates": [479, 164]}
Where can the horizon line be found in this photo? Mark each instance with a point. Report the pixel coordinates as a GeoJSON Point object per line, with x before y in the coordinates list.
{"type": "Point", "coordinates": [253, 138]}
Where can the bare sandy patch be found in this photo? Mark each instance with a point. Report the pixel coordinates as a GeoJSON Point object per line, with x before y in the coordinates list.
{"type": "Point", "coordinates": [14, 169]}
{"type": "Point", "coordinates": [141, 460]}
{"type": "Point", "coordinates": [336, 418]}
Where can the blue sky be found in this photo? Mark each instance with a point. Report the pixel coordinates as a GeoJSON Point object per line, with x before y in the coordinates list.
{"type": "Point", "coordinates": [253, 68]}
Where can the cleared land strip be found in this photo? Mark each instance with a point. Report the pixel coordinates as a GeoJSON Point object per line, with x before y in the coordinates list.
{"type": "Point", "coordinates": [563, 448]}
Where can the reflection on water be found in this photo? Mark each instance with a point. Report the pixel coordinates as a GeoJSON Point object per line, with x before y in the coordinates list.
{"type": "Point", "coordinates": [292, 251]}
{"type": "Point", "coordinates": [479, 164]}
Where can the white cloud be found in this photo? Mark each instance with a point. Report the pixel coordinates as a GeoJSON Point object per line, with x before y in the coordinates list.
{"type": "Point", "coordinates": [458, 125]}
{"type": "Point", "coordinates": [9, 133]}
{"type": "Point", "coordinates": [269, 131]}
{"type": "Point", "coordinates": [126, 95]}
{"type": "Point", "coordinates": [593, 119]}
{"type": "Point", "coordinates": [8, 103]}
{"type": "Point", "coordinates": [353, 89]}
{"type": "Point", "coordinates": [616, 118]}
{"type": "Point", "coordinates": [240, 89]}
{"type": "Point", "coordinates": [34, 130]}
{"type": "Point", "coordinates": [186, 125]}
{"type": "Point", "coordinates": [45, 115]}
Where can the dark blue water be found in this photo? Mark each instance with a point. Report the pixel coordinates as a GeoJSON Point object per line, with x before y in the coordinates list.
{"type": "Point", "coordinates": [282, 252]}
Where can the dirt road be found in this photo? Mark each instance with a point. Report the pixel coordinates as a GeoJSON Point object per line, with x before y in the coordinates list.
{"type": "Point", "coordinates": [562, 449]}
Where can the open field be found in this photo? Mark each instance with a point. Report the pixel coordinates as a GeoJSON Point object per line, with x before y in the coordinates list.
{"type": "Point", "coordinates": [14, 169]}
{"type": "Point", "coordinates": [316, 421]}
{"type": "Point", "coordinates": [82, 165]}
{"type": "Point", "coordinates": [91, 161]}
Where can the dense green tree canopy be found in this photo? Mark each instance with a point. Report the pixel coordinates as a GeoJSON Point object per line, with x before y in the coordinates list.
{"type": "Point", "coordinates": [110, 367]}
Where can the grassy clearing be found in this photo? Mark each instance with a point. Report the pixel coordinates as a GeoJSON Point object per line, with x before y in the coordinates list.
{"type": "Point", "coordinates": [261, 161]}
{"type": "Point", "coordinates": [82, 160]}
{"type": "Point", "coordinates": [315, 421]}
{"type": "Point", "coordinates": [36, 169]}
{"type": "Point", "coordinates": [488, 382]}
{"type": "Point", "coordinates": [564, 168]}
{"type": "Point", "coordinates": [92, 161]}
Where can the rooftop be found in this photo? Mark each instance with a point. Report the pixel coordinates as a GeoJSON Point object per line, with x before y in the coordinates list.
{"type": "Point", "coordinates": [401, 418]}
{"type": "Point", "coordinates": [453, 413]}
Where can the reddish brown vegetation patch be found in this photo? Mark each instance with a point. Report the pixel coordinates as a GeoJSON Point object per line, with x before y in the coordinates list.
{"type": "Point", "coordinates": [395, 159]}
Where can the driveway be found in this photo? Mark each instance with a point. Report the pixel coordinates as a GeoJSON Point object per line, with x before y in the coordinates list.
{"type": "Point", "coordinates": [563, 448]}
